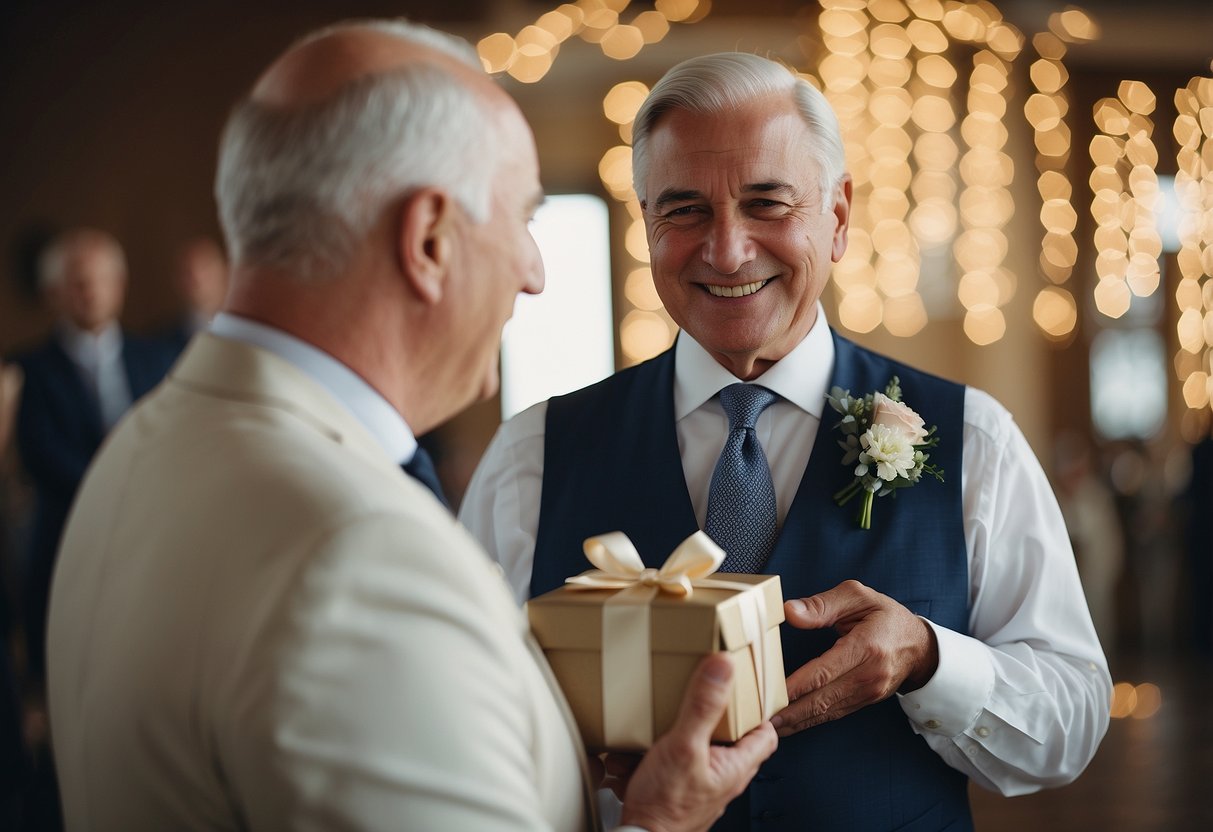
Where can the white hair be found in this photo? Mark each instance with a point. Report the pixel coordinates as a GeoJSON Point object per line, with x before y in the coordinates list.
{"type": "Point", "coordinates": [52, 263]}
{"type": "Point", "coordinates": [298, 189]}
{"type": "Point", "coordinates": [715, 84]}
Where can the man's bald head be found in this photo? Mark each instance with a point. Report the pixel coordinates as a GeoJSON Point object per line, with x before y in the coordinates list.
{"type": "Point", "coordinates": [344, 123]}
{"type": "Point", "coordinates": [321, 64]}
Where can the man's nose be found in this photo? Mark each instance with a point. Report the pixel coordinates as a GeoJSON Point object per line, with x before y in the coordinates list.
{"type": "Point", "coordinates": [535, 277]}
{"type": "Point", "coordinates": [728, 246]}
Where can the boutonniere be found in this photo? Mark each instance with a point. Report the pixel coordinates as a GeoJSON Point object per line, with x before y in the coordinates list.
{"type": "Point", "coordinates": [887, 439]}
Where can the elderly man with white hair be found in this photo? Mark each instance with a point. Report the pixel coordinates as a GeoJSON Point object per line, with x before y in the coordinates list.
{"type": "Point", "coordinates": [261, 622]}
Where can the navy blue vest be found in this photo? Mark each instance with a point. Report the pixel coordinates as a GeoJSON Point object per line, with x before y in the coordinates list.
{"type": "Point", "coordinates": [866, 771]}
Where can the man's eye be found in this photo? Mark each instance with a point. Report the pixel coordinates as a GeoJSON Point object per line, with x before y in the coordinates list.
{"type": "Point", "coordinates": [682, 211]}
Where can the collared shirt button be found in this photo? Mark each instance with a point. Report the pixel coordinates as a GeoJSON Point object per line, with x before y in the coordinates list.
{"type": "Point", "coordinates": [971, 751]}
{"type": "Point", "coordinates": [983, 732]}
{"type": "Point", "coordinates": [932, 724]}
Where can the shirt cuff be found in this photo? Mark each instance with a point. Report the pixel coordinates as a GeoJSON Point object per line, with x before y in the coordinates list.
{"type": "Point", "coordinates": [957, 694]}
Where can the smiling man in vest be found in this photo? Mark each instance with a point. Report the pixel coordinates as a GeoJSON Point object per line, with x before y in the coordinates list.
{"type": "Point", "coordinates": [941, 638]}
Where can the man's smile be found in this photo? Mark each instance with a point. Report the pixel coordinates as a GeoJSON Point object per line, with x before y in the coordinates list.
{"type": "Point", "coordinates": [736, 291]}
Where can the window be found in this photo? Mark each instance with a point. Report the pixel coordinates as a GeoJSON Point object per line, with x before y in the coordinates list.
{"type": "Point", "coordinates": [562, 339]}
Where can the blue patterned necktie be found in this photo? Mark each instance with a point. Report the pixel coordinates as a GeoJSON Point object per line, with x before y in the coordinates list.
{"type": "Point", "coordinates": [741, 502]}
{"type": "Point", "coordinates": [421, 468]}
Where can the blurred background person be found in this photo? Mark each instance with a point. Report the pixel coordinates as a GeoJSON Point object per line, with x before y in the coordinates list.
{"type": "Point", "coordinates": [201, 278]}
{"type": "Point", "coordinates": [77, 385]}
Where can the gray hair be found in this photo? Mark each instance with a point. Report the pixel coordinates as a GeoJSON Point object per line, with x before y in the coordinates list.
{"type": "Point", "coordinates": [713, 84]}
{"type": "Point", "coordinates": [52, 263]}
{"type": "Point", "coordinates": [298, 189]}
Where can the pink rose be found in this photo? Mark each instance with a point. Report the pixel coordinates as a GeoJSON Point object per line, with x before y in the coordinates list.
{"type": "Point", "coordinates": [898, 417]}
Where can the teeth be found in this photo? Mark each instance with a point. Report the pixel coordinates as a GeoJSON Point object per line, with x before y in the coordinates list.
{"type": "Point", "coordinates": [736, 291]}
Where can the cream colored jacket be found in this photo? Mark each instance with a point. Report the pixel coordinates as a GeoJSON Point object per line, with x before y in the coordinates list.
{"type": "Point", "coordinates": [259, 622]}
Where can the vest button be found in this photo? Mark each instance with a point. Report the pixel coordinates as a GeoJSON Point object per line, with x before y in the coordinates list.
{"type": "Point", "coordinates": [769, 814]}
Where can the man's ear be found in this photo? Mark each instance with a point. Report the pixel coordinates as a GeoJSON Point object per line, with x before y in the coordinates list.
{"type": "Point", "coordinates": [425, 241]}
{"type": "Point", "coordinates": [842, 217]}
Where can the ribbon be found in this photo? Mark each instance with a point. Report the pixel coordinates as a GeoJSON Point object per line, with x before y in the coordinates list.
{"type": "Point", "coordinates": [627, 710]}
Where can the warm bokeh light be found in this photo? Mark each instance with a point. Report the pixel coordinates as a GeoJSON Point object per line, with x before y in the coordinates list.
{"type": "Point", "coordinates": [622, 42]}
{"type": "Point", "coordinates": [1196, 390]}
{"type": "Point", "coordinates": [1048, 76]}
{"type": "Point", "coordinates": [1055, 312]}
{"type": "Point", "coordinates": [1124, 700]}
{"type": "Point", "coordinates": [1137, 97]}
{"type": "Point", "coordinates": [653, 26]}
{"type": "Point", "coordinates": [636, 242]}
{"type": "Point", "coordinates": [984, 326]}
{"type": "Point", "coordinates": [677, 10]}
{"type": "Point", "coordinates": [496, 52]}
{"type": "Point", "coordinates": [905, 315]}
{"type": "Point", "coordinates": [643, 335]}
{"type": "Point", "coordinates": [640, 291]}
{"type": "Point", "coordinates": [936, 71]}
{"type": "Point", "coordinates": [927, 37]}
{"type": "Point", "coordinates": [1074, 25]}
{"type": "Point", "coordinates": [861, 310]}
{"type": "Point", "coordinates": [1049, 46]}
{"type": "Point", "coordinates": [887, 11]}
{"type": "Point", "coordinates": [530, 64]}
{"type": "Point", "coordinates": [623, 100]}
{"type": "Point", "coordinates": [1193, 132]}
{"type": "Point", "coordinates": [1149, 701]}
{"type": "Point", "coordinates": [615, 170]}
{"type": "Point", "coordinates": [1112, 296]}
{"type": "Point", "coordinates": [562, 22]}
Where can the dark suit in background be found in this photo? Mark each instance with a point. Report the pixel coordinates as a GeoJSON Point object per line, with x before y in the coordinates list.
{"type": "Point", "coordinates": [59, 429]}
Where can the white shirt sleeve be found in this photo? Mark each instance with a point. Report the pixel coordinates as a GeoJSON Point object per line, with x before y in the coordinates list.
{"type": "Point", "coordinates": [1023, 701]}
{"type": "Point", "coordinates": [501, 505]}
{"type": "Point", "coordinates": [1019, 704]}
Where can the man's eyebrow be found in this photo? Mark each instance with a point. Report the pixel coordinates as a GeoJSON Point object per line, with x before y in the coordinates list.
{"type": "Point", "coordinates": [670, 195]}
{"type": "Point", "coordinates": [767, 187]}
{"type": "Point", "coordinates": [689, 195]}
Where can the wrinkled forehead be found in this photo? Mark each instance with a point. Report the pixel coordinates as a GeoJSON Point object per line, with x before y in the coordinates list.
{"type": "Point", "coordinates": [753, 144]}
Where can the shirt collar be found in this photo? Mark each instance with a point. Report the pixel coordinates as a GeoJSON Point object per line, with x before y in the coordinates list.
{"type": "Point", "coordinates": [801, 377]}
{"type": "Point", "coordinates": [380, 419]}
{"type": "Point", "coordinates": [88, 349]}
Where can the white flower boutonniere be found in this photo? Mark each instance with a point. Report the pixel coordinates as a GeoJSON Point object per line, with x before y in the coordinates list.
{"type": "Point", "coordinates": [887, 439]}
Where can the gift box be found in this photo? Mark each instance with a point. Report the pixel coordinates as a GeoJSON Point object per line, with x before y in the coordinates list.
{"type": "Point", "coordinates": [623, 640]}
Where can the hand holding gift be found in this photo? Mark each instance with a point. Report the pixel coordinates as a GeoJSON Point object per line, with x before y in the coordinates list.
{"type": "Point", "coordinates": [684, 781]}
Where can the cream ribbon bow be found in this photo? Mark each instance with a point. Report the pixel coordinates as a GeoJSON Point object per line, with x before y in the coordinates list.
{"type": "Point", "coordinates": [620, 567]}
{"type": "Point", "coordinates": [627, 709]}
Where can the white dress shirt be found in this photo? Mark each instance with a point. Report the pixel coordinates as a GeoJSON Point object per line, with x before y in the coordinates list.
{"type": "Point", "coordinates": [376, 414]}
{"type": "Point", "coordinates": [98, 357]}
{"type": "Point", "coordinates": [1019, 704]}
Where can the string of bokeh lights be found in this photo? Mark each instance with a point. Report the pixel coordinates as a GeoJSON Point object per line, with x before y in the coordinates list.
{"type": "Point", "coordinates": [923, 93]}
{"type": "Point", "coordinates": [1193, 132]}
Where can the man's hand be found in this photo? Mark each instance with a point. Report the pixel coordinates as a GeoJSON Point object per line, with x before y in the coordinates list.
{"type": "Point", "coordinates": [883, 648]}
{"type": "Point", "coordinates": [684, 782]}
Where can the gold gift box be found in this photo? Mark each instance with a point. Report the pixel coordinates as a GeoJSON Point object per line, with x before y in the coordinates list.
{"type": "Point", "coordinates": [568, 624]}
